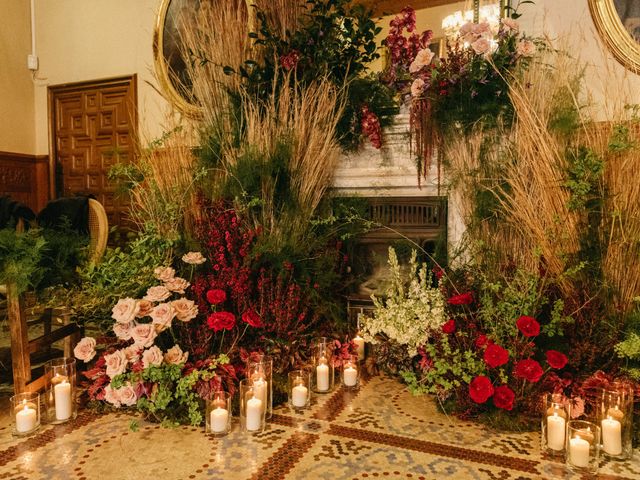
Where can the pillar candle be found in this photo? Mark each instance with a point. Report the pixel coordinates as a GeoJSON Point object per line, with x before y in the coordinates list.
{"type": "Point", "coordinates": [62, 396]}
{"type": "Point", "coordinates": [322, 377]}
{"type": "Point", "coordinates": [611, 436]}
{"type": "Point", "coordinates": [579, 452]}
{"type": "Point", "coordinates": [350, 376]}
{"type": "Point", "coordinates": [555, 432]}
{"type": "Point", "coordinates": [254, 414]}
{"type": "Point", "coordinates": [299, 396]}
{"type": "Point", "coordinates": [26, 419]}
{"type": "Point", "coordinates": [260, 389]}
{"type": "Point", "coordinates": [219, 420]}
{"type": "Point", "coordinates": [359, 341]}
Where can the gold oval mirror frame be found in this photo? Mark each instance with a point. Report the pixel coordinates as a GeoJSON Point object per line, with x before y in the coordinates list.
{"type": "Point", "coordinates": [615, 34]}
{"type": "Point", "coordinates": [170, 68]}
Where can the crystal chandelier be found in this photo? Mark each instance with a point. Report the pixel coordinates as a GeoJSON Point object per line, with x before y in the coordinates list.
{"type": "Point", "coordinates": [488, 13]}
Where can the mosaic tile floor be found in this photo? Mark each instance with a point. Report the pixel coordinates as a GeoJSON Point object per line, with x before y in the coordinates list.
{"type": "Point", "coordinates": [378, 431]}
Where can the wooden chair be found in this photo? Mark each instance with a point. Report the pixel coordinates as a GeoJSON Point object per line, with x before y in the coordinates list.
{"type": "Point", "coordinates": [21, 347]}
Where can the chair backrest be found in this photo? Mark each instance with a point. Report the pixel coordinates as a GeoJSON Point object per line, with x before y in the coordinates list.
{"type": "Point", "coordinates": [98, 230]}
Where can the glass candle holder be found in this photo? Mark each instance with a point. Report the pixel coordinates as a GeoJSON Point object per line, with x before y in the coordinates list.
{"type": "Point", "coordinates": [60, 389]}
{"type": "Point", "coordinates": [555, 415]}
{"type": "Point", "coordinates": [299, 389]}
{"type": "Point", "coordinates": [252, 408]}
{"type": "Point", "coordinates": [583, 446]}
{"type": "Point", "coordinates": [218, 414]}
{"type": "Point", "coordinates": [323, 369]}
{"type": "Point", "coordinates": [25, 411]}
{"type": "Point", "coordinates": [351, 372]}
{"type": "Point", "coordinates": [615, 418]}
{"type": "Point", "coordinates": [260, 372]}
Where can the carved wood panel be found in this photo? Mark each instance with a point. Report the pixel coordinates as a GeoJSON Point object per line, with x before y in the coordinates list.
{"type": "Point", "coordinates": [24, 178]}
{"type": "Point", "coordinates": [93, 126]}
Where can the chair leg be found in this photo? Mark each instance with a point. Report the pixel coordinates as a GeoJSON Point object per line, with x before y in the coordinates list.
{"type": "Point", "coordinates": [21, 363]}
{"type": "Point", "coordinates": [72, 340]}
{"type": "Point", "coordinates": [47, 317]}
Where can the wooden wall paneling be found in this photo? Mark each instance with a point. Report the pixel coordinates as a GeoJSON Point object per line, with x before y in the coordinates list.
{"type": "Point", "coordinates": [25, 178]}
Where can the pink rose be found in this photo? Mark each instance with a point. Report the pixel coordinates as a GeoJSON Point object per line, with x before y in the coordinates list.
{"type": "Point", "coordinates": [132, 353]}
{"type": "Point", "coordinates": [158, 293]}
{"type": "Point", "coordinates": [482, 30]}
{"type": "Point", "coordinates": [175, 356]}
{"type": "Point", "coordinates": [466, 29]}
{"type": "Point", "coordinates": [526, 48]}
{"type": "Point", "coordinates": [164, 274]}
{"type": "Point", "coordinates": [510, 25]}
{"type": "Point", "coordinates": [127, 395]}
{"type": "Point", "coordinates": [86, 349]}
{"type": "Point", "coordinates": [417, 87]}
{"type": "Point", "coordinates": [143, 335]}
{"type": "Point", "coordinates": [193, 258]}
{"type": "Point", "coordinates": [482, 46]}
{"type": "Point", "coordinates": [145, 307]}
{"type": "Point", "coordinates": [423, 58]}
{"type": "Point", "coordinates": [123, 331]}
{"type": "Point", "coordinates": [111, 396]}
{"type": "Point", "coordinates": [152, 357]}
{"type": "Point", "coordinates": [116, 363]}
{"type": "Point", "coordinates": [125, 310]}
{"type": "Point", "coordinates": [162, 315]}
{"type": "Point", "coordinates": [177, 285]}
{"type": "Point", "coordinates": [185, 309]}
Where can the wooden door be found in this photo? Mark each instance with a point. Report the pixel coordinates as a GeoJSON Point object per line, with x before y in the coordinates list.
{"type": "Point", "coordinates": [92, 125]}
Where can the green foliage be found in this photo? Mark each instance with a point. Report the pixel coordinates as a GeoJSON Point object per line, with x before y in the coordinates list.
{"type": "Point", "coordinates": [629, 349]}
{"type": "Point", "coordinates": [585, 172]}
{"type": "Point", "coordinates": [621, 139]}
{"type": "Point", "coordinates": [20, 258]}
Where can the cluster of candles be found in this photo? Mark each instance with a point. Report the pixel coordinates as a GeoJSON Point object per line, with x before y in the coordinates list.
{"type": "Point", "coordinates": [581, 441]}
{"type": "Point", "coordinates": [256, 390]}
{"type": "Point", "coordinates": [58, 397]}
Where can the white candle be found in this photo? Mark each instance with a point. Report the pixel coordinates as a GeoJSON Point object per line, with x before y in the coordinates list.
{"type": "Point", "coordinates": [359, 341]}
{"type": "Point", "coordinates": [322, 376]}
{"type": "Point", "coordinates": [579, 452]}
{"type": "Point", "coordinates": [350, 376]}
{"type": "Point", "coordinates": [611, 436]}
{"type": "Point", "coordinates": [26, 419]}
{"type": "Point", "coordinates": [260, 389]}
{"type": "Point", "coordinates": [254, 414]}
{"type": "Point", "coordinates": [555, 432]}
{"type": "Point", "coordinates": [62, 395]}
{"type": "Point", "coordinates": [219, 420]}
{"type": "Point", "coordinates": [299, 396]}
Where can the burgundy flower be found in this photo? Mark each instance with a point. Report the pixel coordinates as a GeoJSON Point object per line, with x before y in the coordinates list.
{"type": "Point", "coordinates": [529, 370]}
{"type": "Point", "coordinates": [216, 296]}
{"type": "Point", "coordinates": [449, 327]}
{"type": "Point", "coordinates": [252, 318]}
{"type": "Point", "coordinates": [221, 321]}
{"type": "Point", "coordinates": [495, 355]}
{"type": "Point", "coordinates": [370, 125]}
{"type": "Point", "coordinates": [503, 397]}
{"type": "Point", "coordinates": [556, 359]}
{"type": "Point", "coordinates": [480, 389]}
{"type": "Point", "coordinates": [438, 272]}
{"type": "Point", "coordinates": [528, 326]}
{"type": "Point", "coordinates": [482, 341]}
{"type": "Point", "coordinates": [290, 60]}
{"type": "Point", "coordinates": [462, 299]}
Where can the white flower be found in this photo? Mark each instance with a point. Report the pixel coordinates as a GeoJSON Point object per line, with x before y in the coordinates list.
{"type": "Point", "coordinates": [125, 310]}
{"type": "Point", "coordinates": [526, 48]}
{"type": "Point", "coordinates": [175, 356]}
{"type": "Point", "coordinates": [177, 285]}
{"type": "Point", "coordinates": [481, 46]}
{"type": "Point", "coordinates": [127, 395]}
{"type": "Point", "coordinates": [111, 396]}
{"type": "Point", "coordinates": [85, 350]}
{"type": "Point", "coordinates": [123, 331]}
{"type": "Point", "coordinates": [143, 335]}
{"type": "Point", "coordinates": [158, 293]}
{"type": "Point", "coordinates": [185, 309]}
{"type": "Point", "coordinates": [423, 58]}
{"type": "Point", "coordinates": [152, 357]}
{"type": "Point", "coordinates": [510, 25]}
{"type": "Point", "coordinates": [116, 363]}
{"type": "Point", "coordinates": [162, 315]}
{"type": "Point", "coordinates": [164, 274]}
{"type": "Point", "coordinates": [193, 258]}
{"type": "Point", "coordinates": [417, 87]}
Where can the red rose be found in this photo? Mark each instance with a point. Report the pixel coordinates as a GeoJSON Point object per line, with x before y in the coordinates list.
{"type": "Point", "coordinates": [221, 321]}
{"type": "Point", "coordinates": [480, 389]}
{"type": "Point", "coordinates": [462, 299]}
{"type": "Point", "coordinates": [503, 397]}
{"type": "Point", "coordinates": [216, 296]}
{"type": "Point", "coordinates": [449, 327]}
{"type": "Point", "coordinates": [482, 341]}
{"type": "Point", "coordinates": [528, 326]}
{"type": "Point", "coordinates": [495, 355]}
{"type": "Point", "coordinates": [556, 359]}
{"type": "Point", "coordinates": [252, 318]}
{"type": "Point", "coordinates": [529, 370]}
